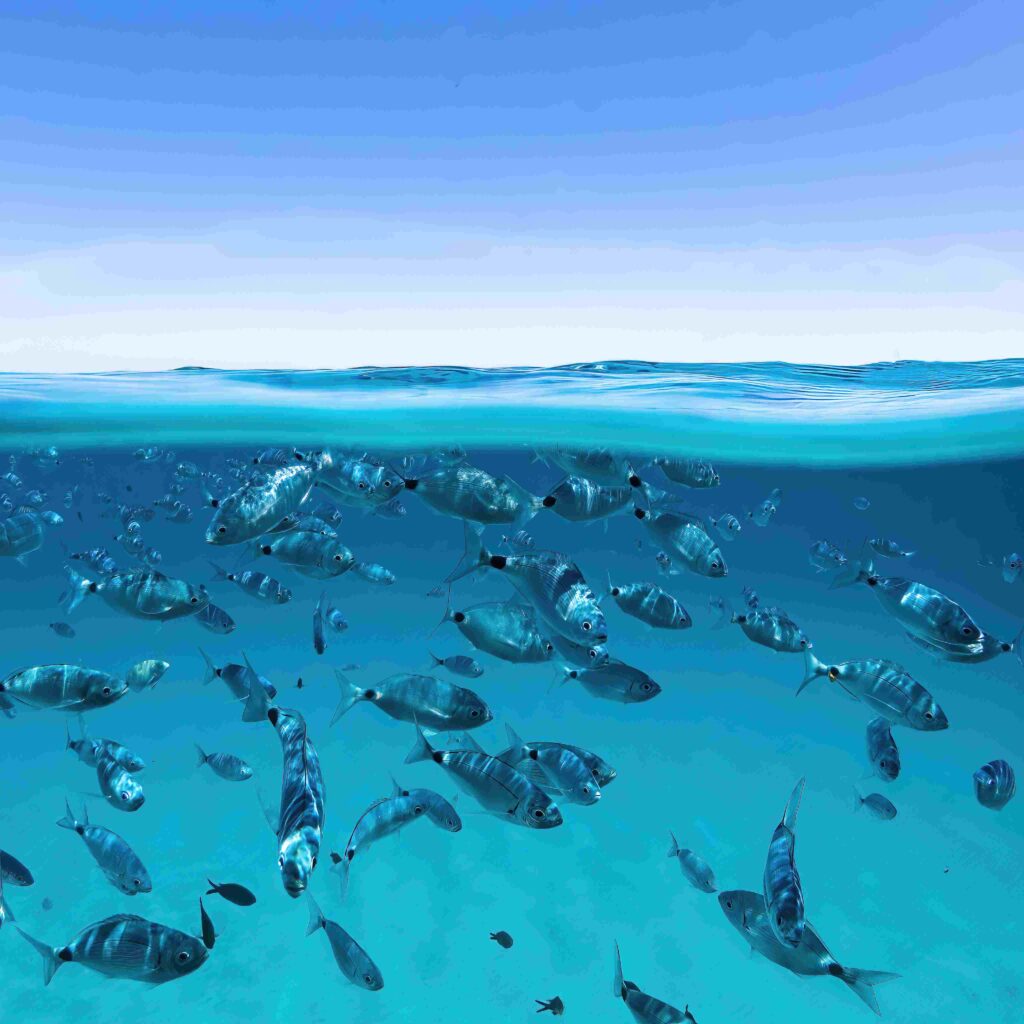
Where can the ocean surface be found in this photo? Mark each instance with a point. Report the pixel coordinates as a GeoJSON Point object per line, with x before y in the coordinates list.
{"type": "Point", "coordinates": [929, 455]}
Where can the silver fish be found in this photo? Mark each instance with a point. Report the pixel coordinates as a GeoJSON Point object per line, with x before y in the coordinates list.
{"type": "Point", "coordinates": [600, 771]}
{"type": "Point", "coordinates": [580, 500]}
{"type": "Point", "coordinates": [90, 752]}
{"type": "Point", "coordinates": [144, 594]}
{"type": "Point", "coordinates": [351, 958]}
{"type": "Point", "coordinates": [459, 665]}
{"type": "Point", "coordinates": [783, 893]}
{"type": "Point", "coordinates": [646, 1009]}
{"type": "Point", "coordinates": [119, 787]}
{"type": "Point", "coordinates": [694, 868]}
{"type": "Point", "coordinates": [127, 948]}
{"type": "Point", "coordinates": [255, 584]}
{"type": "Point", "coordinates": [769, 627]}
{"type": "Point", "coordinates": [472, 494]}
{"type": "Point", "coordinates": [727, 525]}
{"type": "Point", "coordinates": [216, 620]}
{"type": "Point", "coordinates": [825, 556]}
{"type": "Point", "coordinates": [883, 753]}
{"type": "Point", "coordinates": [601, 465]}
{"type": "Point", "coordinates": [616, 681]}
{"type": "Point", "coordinates": [74, 688]}
{"type": "Point", "coordinates": [503, 629]}
{"type": "Point", "coordinates": [810, 958]}
{"type": "Point", "coordinates": [687, 538]}
{"type": "Point", "coordinates": [995, 785]}
{"type": "Point", "coordinates": [888, 548]}
{"type": "Point", "coordinates": [650, 604]}
{"type": "Point", "coordinates": [239, 680]}
{"type": "Point", "coordinates": [374, 573]}
{"type": "Point", "coordinates": [227, 766]}
{"type": "Point", "coordinates": [312, 554]}
{"type": "Point", "coordinates": [877, 805]}
{"type": "Point", "coordinates": [116, 859]}
{"type": "Point", "coordinates": [562, 771]}
{"type": "Point", "coordinates": [407, 697]}
{"type": "Point", "coordinates": [689, 472]}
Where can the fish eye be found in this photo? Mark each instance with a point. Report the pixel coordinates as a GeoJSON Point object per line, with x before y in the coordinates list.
{"type": "Point", "coordinates": [222, 529]}
{"type": "Point", "coordinates": [594, 772]}
{"type": "Point", "coordinates": [928, 715]}
{"type": "Point", "coordinates": [106, 691]}
{"type": "Point", "coordinates": [882, 764]}
{"type": "Point", "coordinates": [362, 485]}
{"type": "Point", "coordinates": [314, 862]}
{"type": "Point", "coordinates": [586, 627]}
{"type": "Point", "coordinates": [368, 978]}
{"type": "Point", "coordinates": [184, 956]}
{"type": "Point", "coordinates": [592, 653]}
{"type": "Point", "coordinates": [778, 920]}
{"type": "Point", "coordinates": [645, 686]}
{"type": "Point", "coordinates": [803, 641]}
{"type": "Point", "coordinates": [967, 631]}
{"type": "Point", "coordinates": [417, 809]}
{"type": "Point", "coordinates": [714, 565]}
{"type": "Point", "coordinates": [548, 646]}
{"type": "Point", "coordinates": [124, 795]}
{"type": "Point", "coordinates": [615, 591]}
{"type": "Point", "coordinates": [387, 483]}
{"type": "Point", "coordinates": [194, 599]}
{"type": "Point", "coordinates": [538, 813]}
{"type": "Point", "coordinates": [137, 882]}
{"type": "Point", "coordinates": [474, 713]}
{"type": "Point", "coordinates": [728, 904]}
{"type": "Point", "coordinates": [337, 558]}
{"type": "Point", "coordinates": [280, 861]}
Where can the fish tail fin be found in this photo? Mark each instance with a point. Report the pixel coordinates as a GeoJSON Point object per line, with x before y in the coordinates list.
{"type": "Point", "coordinates": [201, 760]}
{"type": "Point", "coordinates": [514, 739]}
{"type": "Point", "coordinates": [68, 821]}
{"type": "Point", "coordinates": [793, 807]}
{"type": "Point", "coordinates": [257, 704]}
{"type": "Point", "coordinates": [78, 587]}
{"type": "Point", "coordinates": [475, 556]}
{"type": "Point", "coordinates": [316, 915]}
{"type": "Point", "coordinates": [726, 616]}
{"type": "Point", "coordinates": [673, 850]}
{"type": "Point", "coordinates": [145, 674]}
{"type": "Point", "coordinates": [618, 984]}
{"type": "Point", "coordinates": [396, 788]}
{"type": "Point", "coordinates": [449, 615]}
{"type": "Point", "coordinates": [813, 669]}
{"type": "Point", "coordinates": [213, 887]}
{"type": "Point", "coordinates": [210, 670]}
{"type": "Point", "coordinates": [218, 572]}
{"type": "Point", "coordinates": [855, 571]}
{"type": "Point", "coordinates": [349, 694]}
{"type": "Point", "coordinates": [67, 733]}
{"type": "Point", "coordinates": [864, 982]}
{"type": "Point", "coordinates": [858, 800]}
{"type": "Point", "coordinates": [50, 959]}
{"type": "Point", "coordinates": [421, 751]}
{"type": "Point", "coordinates": [434, 659]}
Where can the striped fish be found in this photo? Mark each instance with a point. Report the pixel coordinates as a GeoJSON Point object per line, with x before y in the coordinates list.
{"type": "Point", "coordinates": [783, 894]}
{"type": "Point", "coordinates": [644, 1008]}
{"type": "Point", "coordinates": [116, 859]}
{"type": "Point", "coordinates": [687, 537]}
{"type": "Point", "coordinates": [995, 785]}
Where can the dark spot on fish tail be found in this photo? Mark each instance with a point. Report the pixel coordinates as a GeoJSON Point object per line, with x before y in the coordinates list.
{"type": "Point", "coordinates": [549, 501]}
{"type": "Point", "coordinates": [92, 588]}
{"type": "Point", "coordinates": [438, 757]}
{"type": "Point", "coordinates": [335, 857]}
{"type": "Point", "coordinates": [273, 714]}
{"type": "Point", "coordinates": [835, 970]}
{"type": "Point", "coordinates": [80, 829]}
{"type": "Point", "coordinates": [498, 561]}
{"type": "Point", "coordinates": [872, 581]}
{"type": "Point", "coordinates": [215, 503]}
{"type": "Point", "coordinates": [459, 617]}
{"type": "Point", "coordinates": [371, 695]}
{"type": "Point", "coordinates": [1005, 648]}
{"type": "Point", "coordinates": [533, 755]}
{"type": "Point", "coordinates": [741, 618]}
{"type": "Point", "coordinates": [634, 480]}
{"type": "Point", "coordinates": [266, 549]}
{"type": "Point", "coordinates": [411, 485]}
{"type": "Point", "coordinates": [833, 673]}
{"type": "Point", "coordinates": [349, 853]}
{"type": "Point", "coordinates": [639, 513]}
{"type": "Point", "coordinates": [65, 955]}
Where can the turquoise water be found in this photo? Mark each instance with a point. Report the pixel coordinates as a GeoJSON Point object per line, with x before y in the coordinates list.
{"type": "Point", "coordinates": [934, 895]}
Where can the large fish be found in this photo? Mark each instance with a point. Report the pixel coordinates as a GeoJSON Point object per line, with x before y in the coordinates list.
{"type": "Point", "coordinates": [562, 770]}
{"type": "Point", "coordinates": [809, 958]}
{"type": "Point", "coordinates": [687, 537]}
{"type": "Point", "coordinates": [580, 500]}
{"type": "Point", "coordinates": [74, 688]}
{"type": "Point", "coordinates": [650, 604]}
{"type": "Point", "coordinates": [503, 629]}
{"type": "Point", "coordinates": [434, 703]}
{"type": "Point", "coordinates": [143, 594]}
{"type": "Point", "coordinates": [472, 494]}
{"type": "Point", "coordinates": [783, 893]}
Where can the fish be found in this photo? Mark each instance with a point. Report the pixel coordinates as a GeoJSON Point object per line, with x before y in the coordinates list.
{"type": "Point", "coordinates": [886, 688]}
{"type": "Point", "coordinates": [878, 806]}
{"type": "Point", "coordinates": [551, 582]}
{"type": "Point", "coordinates": [765, 511]}
{"type": "Point", "coordinates": [783, 892]}
{"type": "Point", "coordinates": [504, 629]}
{"type": "Point", "coordinates": [883, 753]}
{"type": "Point", "coordinates": [615, 681]}
{"type": "Point", "coordinates": [387, 816]}
{"type": "Point", "coordinates": [459, 665]}
{"type": "Point", "coordinates": [75, 688]}
{"type": "Point", "coordinates": [581, 655]}
{"type": "Point", "coordinates": [602, 773]}
{"type": "Point", "coordinates": [391, 509]}
{"type": "Point", "coordinates": [553, 1006]}
{"type": "Point", "coordinates": [232, 892]}
{"type": "Point", "coordinates": [694, 868]}
{"type": "Point", "coordinates": [13, 871]}
{"type": "Point", "coordinates": [769, 627]}
{"type": "Point", "coordinates": [495, 785]}
{"type": "Point", "coordinates": [300, 823]}
{"type": "Point", "coordinates": [562, 770]}
{"type": "Point", "coordinates": [472, 494]}
{"type": "Point", "coordinates": [686, 536]}
{"type": "Point", "coordinates": [374, 573]}
{"type": "Point", "coordinates": [227, 766]}
{"type": "Point", "coordinates": [745, 911]}
{"type": "Point", "coordinates": [825, 556]}
{"type": "Point", "coordinates": [727, 525]}
{"type": "Point", "coordinates": [126, 948]}
{"type": "Point", "coordinates": [216, 620]}
{"type": "Point", "coordinates": [580, 500]}
{"type": "Point", "coordinates": [119, 863]}
{"type": "Point", "coordinates": [696, 473]}
{"type": "Point", "coordinates": [209, 933]}
{"type": "Point", "coordinates": [995, 785]}
{"type": "Point", "coordinates": [600, 465]}
{"type": "Point", "coordinates": [310, 554]}
{"type": "Point", "coordinates": [257, 506]}
{"type": "Point", "coordinates": [1012, 565]}
{"type": "Point", "coordinates": [406, 697]}
{"type": "Point", "coordinates": [360, 483]}
{"type": "Point", "coordinates": [63, 629]}
{"type": "Point", "coordinates": [256, 584]}
{"type": "Point", "coordinates": [351, 958]}
{"type": "Point", "coordinates": [888, 548]}
{"type": "Point", "coordinates": [646, 1009]}
{"type": "Point", "coordinates": [503, 939]}
{"type": "Point", "coordinates": [861, 504]}
{"type": "Point", "coordinates": [90, 752]}
{"type": "Point", "coordinates": [319, 640]}
{"type": "Point", "coordinates": [118, 786]}
{"type": "Point", "coordinates": [650, 604]}
{"type": "Point", "coordinates": [142, 594]}
{"type": "Point", "coordinates": [239, 680]}
{"type": "Point", "coordinates": [25, 532]}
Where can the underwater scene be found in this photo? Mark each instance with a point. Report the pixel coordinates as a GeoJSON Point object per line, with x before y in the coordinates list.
{"type": "Point", "coordinates": [706, 682]}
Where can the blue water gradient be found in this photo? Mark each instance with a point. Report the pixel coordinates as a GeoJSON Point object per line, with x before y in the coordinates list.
{"type": "Point", "coordinates": [882, 414]}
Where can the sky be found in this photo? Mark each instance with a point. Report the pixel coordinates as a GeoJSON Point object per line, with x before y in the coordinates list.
{"type": "Point", "coordinates": [271, 184]}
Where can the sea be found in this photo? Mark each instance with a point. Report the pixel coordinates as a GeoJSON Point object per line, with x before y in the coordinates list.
{"type": "Point", "coordinates": [927, 455]}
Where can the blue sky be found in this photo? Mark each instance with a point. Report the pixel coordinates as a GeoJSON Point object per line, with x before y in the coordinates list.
{"type": "Point", "coordinates": [240, 184]}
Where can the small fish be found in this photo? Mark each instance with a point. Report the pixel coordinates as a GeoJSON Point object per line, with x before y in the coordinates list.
{"type": "Point", "coordinates": [888, 548]}
{"type": "Point", "coordinates": [519, 541]}
{"type": "Point", "coordinates": [472, 494]}
{"type": "Point", "coordinates": [459, 665]}
{"type": "Point", "coordinates": [561, 769]}
{"type": "Point", "coordinates": [13, 871]}
{"type": "Point", "coordinates": [255, 584]}
{"type": "Point", "coordinates": [63, 629]}
{"type": "Point", "coordinates": [47, 903]}
{"type": "Point", "coordinates": [209, 932]}
{"type": "Point", "coordinates": [783, 892]}
{"type": "Point", "coordinates": [374, 573]}
{"type": "Point", "coordinates": [319, 640]}
{"type": "Point", "coordinates": [1012, 565]}
{"type": "Point", "coordinates": [883, 753]}
{"type": "Point", "coordinates": [505, 630]}
{"type": "Point", "coordinates": [665, 566]}
{"type": "Point", "coordinates": [580, 500]}
{"type": "Point", "coordinates": [351, 958]}
{"type": "Point", "coordinates": [391, 509]}
{"type": "Point", "coordinates": [503, 939]}
{"type": "Point", "coordinates": [119, 787]}
{"type": "Point", "coordinates": [116, 859]}
{"type": "Point", "coordinates": [686, 536]}
{"type": "Point", "coordinates": [994, 785]}
{"type": "Point", "coordinates": [90, 752]}
{"type": "Point", "coordinates": [728, 526]}
{"type": "Point", "coordinates": [650, 604]}
{"type": "Point", "coordinates": [227, 766]}
{"type": "Point", "coordinates": [695, 869]}
{"type": "Point", "coordinates": [825, 556]}
{"type": "Point", "coordinates": [878, 806]}
{"type": "Point", "coordinates": [127, 948]}
{"type": "Point", "coordinates": [765, 512]}
{"type": "Point", "coordinates": [553, 1006]}
{"type": "Point", "coordinates": [769, 627]}
{"type": "Point", "coordinates": [216, 620]}
{"type": "Point", "coordinates": [309, 553]}
{"type": "Point", "coordinates": [689, 472]}
{"type": "Point", "coordinates": [232, 892]}
{"type": "Point", "coordinates": [143, 594]}
{"type": "Point", "coordinates": [861, 504]}
{"type": "Point", "coordinates": [616, 681]}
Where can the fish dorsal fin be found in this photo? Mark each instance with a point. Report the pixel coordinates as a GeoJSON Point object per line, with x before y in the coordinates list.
{"type": "Point", "coordinates": [793, 807]}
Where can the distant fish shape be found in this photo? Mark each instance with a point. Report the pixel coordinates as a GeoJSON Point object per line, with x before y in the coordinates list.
{"type": "Point", "coordinates": [995, 785]}
{"type": "Point", "coordinates": [810, 958]}
{"type": "Point", "coordinates": [126, 948]}
{"type": "Point", "coordinates": [374, 573]}
{"type": "Point", "coordinates": [459, 665]}
{"type": "Point", "coordinates": [888, 548]}
{"type": "Point", "coordinates": [877, 806]}
{"type": "Point", "coordinates": [216, 620]}
{"type": "Point", "coordinates": [257, 585]}
{"type": "Point", "coordinates": [63, 629]}
{"type": "Point", "coordinates": [232, 892]}
{"type": "Point", "coordinates": [695, 869]}
{"type": "Point", "coordinates": [696, 473]}
{"type": "Point", "coordinates": [769, 627]}
{"type": "Point", "coordinates": [207, 930]}
{"type": "Point", "coordinates": [825, 556]}
{"type": "Point", "coordinates": [227, 766]}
